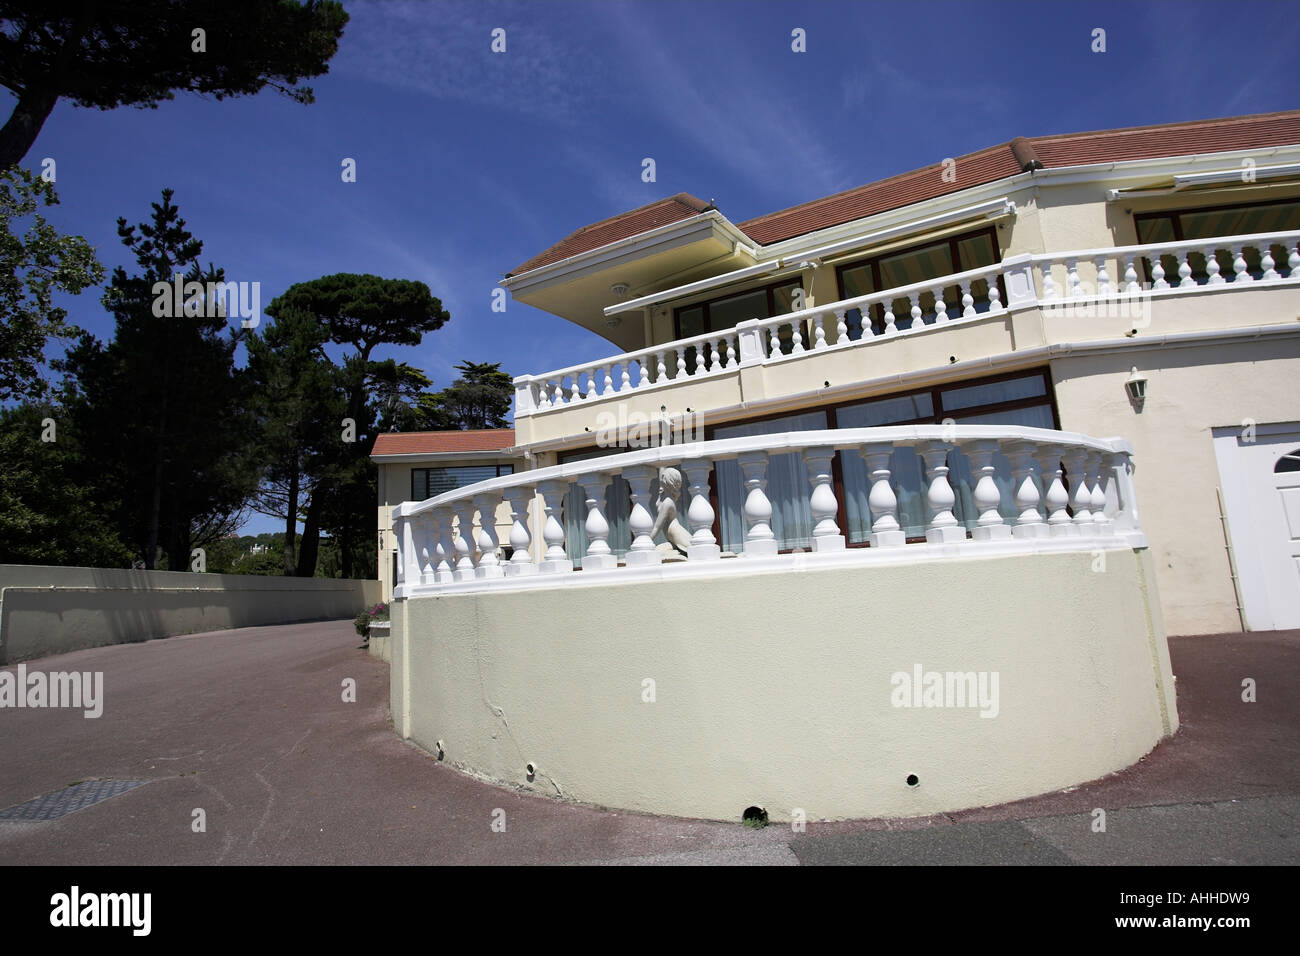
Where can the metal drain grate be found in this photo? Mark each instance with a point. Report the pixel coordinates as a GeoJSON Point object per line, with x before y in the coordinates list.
{"type": "Point", "coordinates": [51, 806]}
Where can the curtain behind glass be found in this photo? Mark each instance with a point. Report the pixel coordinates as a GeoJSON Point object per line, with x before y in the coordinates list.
{"type": "Point", "coordinates": [788, 487]}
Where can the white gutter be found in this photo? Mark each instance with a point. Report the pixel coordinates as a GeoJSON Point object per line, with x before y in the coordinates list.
{"type": "Point", "coordinates": [993, 209]}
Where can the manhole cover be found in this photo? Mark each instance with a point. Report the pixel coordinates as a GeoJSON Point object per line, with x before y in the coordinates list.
{"type": "Point", "coordinates": [51, 806]}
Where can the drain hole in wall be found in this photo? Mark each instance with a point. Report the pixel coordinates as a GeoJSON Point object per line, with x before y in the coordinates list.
{"type": "Point", "coordinates": [531, 770]}
{"type": "Point", "coordinates": [754, 817]}
{"type": "Point", "coordinates": [912, 780]}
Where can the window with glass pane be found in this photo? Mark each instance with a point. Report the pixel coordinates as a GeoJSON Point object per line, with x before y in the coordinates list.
{"type": "Point", "coordinates": [1242, 220]}
{"type": "Point", "coordinates": [788, 488]}
{"type": "Point", "coordinates": [431, 482]}
{"type": "Point", "coordinates": [970, 403]}
{"type": "Point", "coordinates": [920, 264]}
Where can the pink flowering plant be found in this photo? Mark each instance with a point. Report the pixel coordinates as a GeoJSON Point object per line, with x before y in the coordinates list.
{"type": "Point", "coordinates": [369, 616]}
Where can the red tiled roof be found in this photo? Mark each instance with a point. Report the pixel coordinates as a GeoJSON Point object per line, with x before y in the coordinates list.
{"type": "Point", "coordinates": [1007, 159]}
{"type": "Point", "coordinates": [973, 169]}
{"type": "Point", "coordinates": [623, 226]}
{"type": "Point", "coordinates": [428, 443]}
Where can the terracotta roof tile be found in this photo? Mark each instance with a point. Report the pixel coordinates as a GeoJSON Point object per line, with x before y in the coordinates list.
{"type": "Point", "coordinates": [623, 226]}
{"type": "Point", "coordinates": [973, 169]}
{"type": "Point", "coordinates": [427, 443]}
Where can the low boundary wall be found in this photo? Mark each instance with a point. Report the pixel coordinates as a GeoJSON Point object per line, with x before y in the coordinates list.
{"type": "Point", "coordinates": [52, 610]}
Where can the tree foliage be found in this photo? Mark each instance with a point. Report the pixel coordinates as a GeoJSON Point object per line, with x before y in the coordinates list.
{"type": "Point", "coordinates": [34, 265]}
{"type": "Point", "coordinates": [103, 54]}
{"type": "Point", "coordinates": [162, 408]}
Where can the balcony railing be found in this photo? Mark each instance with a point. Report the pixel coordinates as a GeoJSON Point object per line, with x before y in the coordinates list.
{"type": "Point", "coordinates": [1065, 492]}
{"type": "Point", "coordinates": [1048, 280]}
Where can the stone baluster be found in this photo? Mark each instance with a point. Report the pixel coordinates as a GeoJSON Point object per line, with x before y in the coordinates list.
{"type": "Point", "coordinates": [826, 532]}
{"type": "Point", "coordinates": [555, 560]}
{"type": "Point", "coordinates": [426, 546]}
{"type": "Point", "coordinates": [464, 540]}
{"type": "Point", "coordinates": [990, 526]}
{"type": "Point", "coordinates": [446, 549]}
{"type": "Point", "coordinates": [819, 333]}
{"type": "Point", "coordinates": [944, 527]}
{"type": "Point", "coordinates": [1131, 286]}
{"type": "Point", "coordinates": [1029, 523]}
{"type": "Point", "coordinates": [995, 295]}
{"type": "Point", "coordinates": [940, 307]}
{"type": "Point", "coordinates": [967, 301]}
{"type": "Point", "coordinates": [1212, 267]}
{"type": "Point", "coordinates": [1293, 262]}
{"type": "Point", "coordinates": [1097, 479]}
{"type": "Point", "coordinates": [1239, 273]}
{"type": "Point", "coordinates": [890, 322]}
{"type": "Point", "coordinates": [1185, 279]}
{"type": "Point", "coordinates": [1075, 459]}
{"type": "Point", "coordinates": [544, 401]}
{"type": "Point", "coordinates": [643, 552]}
{"type": "Point", "coordinates": [885, 529]}
{"type": "Point", "coordinates": [731, 354]}
{"type": "Point", "coordinates": [699, 513]}
{"type": "Point", "coordinates": [1049, 285]}
{"type": "Point", "coordinates": [575, 393]}
{"type": "Point", "coordinates": [1158, 272]}
{"type": "Point", "coordinates": [681, 362]}
{"type": "Point", "coordinates": [661, 370]}
{"type": "Point", "coordinates": [489, 564]}
{"type": "Point", "coordinates": [796, 338]}
{"type": "Point", "coordinates": [1267, 263]}
{"type": "Point", "coordinates": [773, 342]}
{"type": "Point", "coordinates": [842, 324]}
{"type": "Point", "coordinates": [760, 541]}
{"type": "Point", "coordinates": [915, 311]}
{"type": "Point", "coordinates": [599, 557]}
{"type": "Point", "coordinates": [625, 376]}
{"type": "Point", "coordinates": [399, 532]}
{"type": "Point", "coordinates": [521, 561]}
{"type": "Point", "coordinates": [1072, 277]}
{"type": "Point", "coordinates": [1103, 277]}
{"type": "Point", "coordinates": [1055, 495]}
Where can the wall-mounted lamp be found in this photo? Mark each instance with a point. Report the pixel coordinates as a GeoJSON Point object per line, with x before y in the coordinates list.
{"type": "Point", "coordinates": [619, 289]}
{"type": "Point", "coordinates": [613, 322]}
{"type": "Point", "coordinates": [1136, 386]}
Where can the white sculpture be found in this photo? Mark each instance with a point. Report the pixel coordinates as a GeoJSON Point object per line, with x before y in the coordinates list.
{"type": "Point", "coordinates": [666, 523]}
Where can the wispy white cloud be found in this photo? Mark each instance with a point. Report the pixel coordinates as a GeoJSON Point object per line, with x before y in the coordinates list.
{"type": "Point", "coordinates": [444, 50]}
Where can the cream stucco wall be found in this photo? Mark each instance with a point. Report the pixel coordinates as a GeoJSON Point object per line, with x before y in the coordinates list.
{"type": "Point", "coordinates": [780, 696]}
{"type": "Point", "coordinates": [1190, 391]}
{"type": "Point", "coordinates": [52, 610]}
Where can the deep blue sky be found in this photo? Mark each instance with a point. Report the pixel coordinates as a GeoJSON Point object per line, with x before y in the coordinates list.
{"type": "Point", "coordinates": [470, 162]}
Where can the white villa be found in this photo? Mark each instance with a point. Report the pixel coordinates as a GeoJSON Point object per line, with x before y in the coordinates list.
{"type": "Point", "coordinates": [913, 424]}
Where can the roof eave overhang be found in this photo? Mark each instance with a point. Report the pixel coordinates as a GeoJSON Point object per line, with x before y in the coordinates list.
{"type": "Point", "coordinates": [642, 245]}
{"type": "Point", "coordinates": [514, 451]}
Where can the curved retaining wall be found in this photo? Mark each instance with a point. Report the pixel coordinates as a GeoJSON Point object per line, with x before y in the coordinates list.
{"type": "Point", "coordinates": [783, 690]}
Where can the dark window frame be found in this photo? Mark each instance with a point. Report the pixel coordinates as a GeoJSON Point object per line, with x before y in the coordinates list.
{"type": "Point", "coordinates": [1174, 217]}
{"type": "Point", "coordinates": [427, 469]}
{"type": "Point", "coordinates": [954, 252]}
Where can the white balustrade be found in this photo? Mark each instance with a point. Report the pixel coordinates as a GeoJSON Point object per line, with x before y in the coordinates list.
{"type": "Point", "coordinates": [489, 564]}
{"type": "Point", "coordinates": [759, 538]}
{"type": "Point", "coordinates": [699, 514]}
{"type": "Point", "coordinates": [944, 527]}
{"type": "Point", "coordinates": [438, 538]}
{"type": "Point", "coordinates": [599, 557]}
{"type": "Point", "coordinates": [990, 526]}
{"type": "Point", "coordinates": [643, 551]}
{"type": "Point", "coordinates": [1029, 523]}
{"type": "Point", "coordinates": [518, 499]}
{"type": "Point", "coordinates": [826, 533]}
{"type": "Point", "coordinates": [885, 529]}
{"type": "Point", "coordinates": [555, 560]}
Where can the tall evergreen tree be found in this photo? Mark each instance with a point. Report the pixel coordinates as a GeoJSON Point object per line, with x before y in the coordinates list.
{"type": "Point", "coordinates": [162, 408]}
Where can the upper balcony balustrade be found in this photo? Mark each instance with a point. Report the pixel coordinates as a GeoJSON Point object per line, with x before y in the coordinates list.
{"type": "Point", "coordinates": [1029, 490]}
{"type": "Point", "coordinates": [1126, 280]}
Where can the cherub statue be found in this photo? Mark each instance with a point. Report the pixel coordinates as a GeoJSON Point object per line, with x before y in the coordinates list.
{"type": "Point", "coordinates": [666, 523]}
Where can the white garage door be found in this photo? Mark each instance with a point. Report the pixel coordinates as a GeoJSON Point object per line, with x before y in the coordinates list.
{"type": "Point", "coordinates": [1261, 490]}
